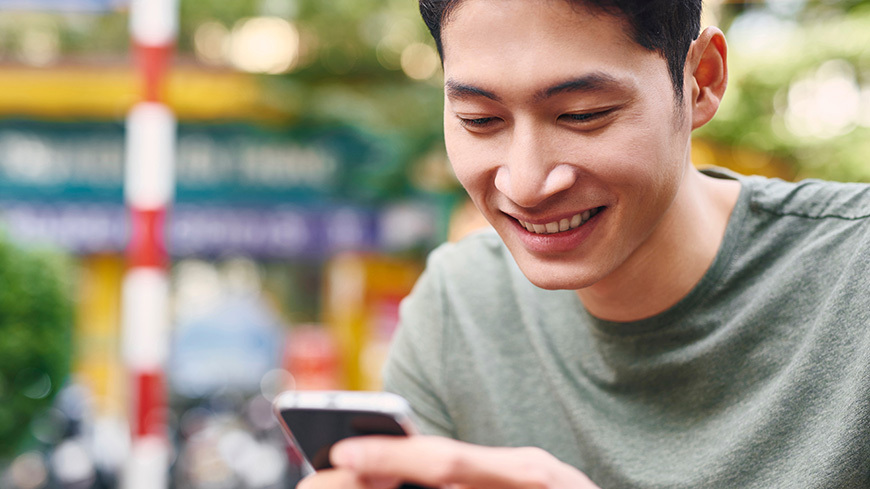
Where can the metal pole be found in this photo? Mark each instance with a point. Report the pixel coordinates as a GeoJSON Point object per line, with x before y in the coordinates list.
{"type": "Point", "coordinates": [149, 184]}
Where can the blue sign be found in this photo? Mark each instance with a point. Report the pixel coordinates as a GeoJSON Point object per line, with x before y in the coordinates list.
{"type": "Point", "coordinates": [237, 164]}
{"type": "Point", "coordinates": [233, 346]}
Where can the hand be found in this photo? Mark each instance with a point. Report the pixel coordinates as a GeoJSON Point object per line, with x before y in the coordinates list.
{"type": "Point", "coordinates": [379, 462]}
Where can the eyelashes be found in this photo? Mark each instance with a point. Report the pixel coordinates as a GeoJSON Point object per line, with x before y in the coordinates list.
{"type": "Point", "coordinates": [587, 116]}
{"type": "Point", "coordinates": [581, 120]}
{"type": "Point", "coordinates": [478, 123]}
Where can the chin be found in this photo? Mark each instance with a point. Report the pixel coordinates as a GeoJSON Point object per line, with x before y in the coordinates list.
{"type": "Point", "coordinates": [556, 276]}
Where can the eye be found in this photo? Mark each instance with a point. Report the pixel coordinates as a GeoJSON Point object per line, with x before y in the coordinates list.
{"type": "Point", "coordinates": [586, 117]}
{"type": "Point", "coordinates": [478, 123]}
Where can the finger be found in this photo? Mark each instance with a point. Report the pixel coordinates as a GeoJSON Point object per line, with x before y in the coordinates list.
{"type": "Point", "coordinates": [330, 479]}
{"type": "Point", "coordinates": [378, 482]}
{"type": "Point", "coordinates": [345, 479]}
{"type": "Point", "coordinates": [511, 468]}
{"type": "Point", "coordinates": [437, 461]}
{"type": "Point", "coordinates": [410, 459]}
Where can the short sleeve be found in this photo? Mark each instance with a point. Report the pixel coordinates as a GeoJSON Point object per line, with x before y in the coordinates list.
{"type": "Point", "coordinates": [414, 367]}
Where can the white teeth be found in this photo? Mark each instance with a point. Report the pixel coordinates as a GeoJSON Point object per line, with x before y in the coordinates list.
{"type": "Point", "coordinates": [576, 221]}
{"type": "Point", "coordinates": [560, 226]}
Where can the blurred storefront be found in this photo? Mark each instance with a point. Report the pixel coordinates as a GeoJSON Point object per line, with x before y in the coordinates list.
{"type": "Point", "coordinates": [288, 265]}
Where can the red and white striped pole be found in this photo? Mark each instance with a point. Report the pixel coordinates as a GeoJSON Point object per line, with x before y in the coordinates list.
{"type": "Point", "coordinates": [149, 183]}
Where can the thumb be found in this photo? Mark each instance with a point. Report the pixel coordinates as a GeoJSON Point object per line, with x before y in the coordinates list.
{"type": "Point", "coordinates": [439, 462]}
{"type": "Point", "coordinates": [408, 459]}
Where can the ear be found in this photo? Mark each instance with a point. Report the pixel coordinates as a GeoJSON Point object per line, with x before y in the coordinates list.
{"type": "Point", "coordinates": [707, 68]}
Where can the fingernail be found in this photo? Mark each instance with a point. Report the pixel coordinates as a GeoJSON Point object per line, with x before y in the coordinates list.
{"type": "Point", "coordinates": [344, 455]}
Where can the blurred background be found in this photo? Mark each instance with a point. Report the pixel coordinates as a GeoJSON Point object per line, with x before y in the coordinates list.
{"type": "Point", "coordinates": [310, 182]}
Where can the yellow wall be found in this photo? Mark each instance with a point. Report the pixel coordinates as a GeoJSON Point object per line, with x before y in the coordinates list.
{"type": "Point", "coordinates": [107, 92]}
{"type": "Point", "coordinates": [97, 364]}
{"type": "Point", "coordinates": [361, 305]}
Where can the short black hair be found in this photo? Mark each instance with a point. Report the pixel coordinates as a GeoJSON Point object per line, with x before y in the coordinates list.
{"type": "Point", "coordinates": [665, 26]}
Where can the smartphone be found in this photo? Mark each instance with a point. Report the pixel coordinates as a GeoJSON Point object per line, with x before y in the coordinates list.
{"type": "Point", "coordinates": [313, 421]}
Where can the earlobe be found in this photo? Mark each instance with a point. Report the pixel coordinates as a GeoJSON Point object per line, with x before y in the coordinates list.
{"type": "Point", "coordinates": [708, 63]}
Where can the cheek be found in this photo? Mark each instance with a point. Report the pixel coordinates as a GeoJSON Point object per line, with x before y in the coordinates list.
{"type": "Point", "coordinates": [469, 163]}
{"type": "Point", "coordinates": [646, 151]}
{"type": "Point", "coordinates": [623, 157]}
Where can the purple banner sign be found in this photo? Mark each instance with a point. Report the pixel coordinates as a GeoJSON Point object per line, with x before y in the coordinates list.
{"type": "Point", "coordinates": [280, 232]}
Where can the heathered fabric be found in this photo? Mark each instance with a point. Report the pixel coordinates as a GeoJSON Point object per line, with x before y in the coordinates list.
{"type": "Point", "coordinates": [758, 378]}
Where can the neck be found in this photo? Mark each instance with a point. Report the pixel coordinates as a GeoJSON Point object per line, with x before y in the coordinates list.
{"type": "Point", "coordinates": [673, 259]}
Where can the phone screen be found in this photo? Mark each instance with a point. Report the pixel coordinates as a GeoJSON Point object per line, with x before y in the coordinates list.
{"type": "Point", "coordinates": [316, 430]}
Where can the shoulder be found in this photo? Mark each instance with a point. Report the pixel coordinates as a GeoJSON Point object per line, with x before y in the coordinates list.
{"type": "Point", "coordinates": [814, 199]}
{"type": "Point", "coordinates": [476, 257]}
{"type": "Point", "coordinates": [442, 322]}
{"type": "Point", "coordinates": [468, 279]}
{"type": "Point", "coordinates": [803, 229]}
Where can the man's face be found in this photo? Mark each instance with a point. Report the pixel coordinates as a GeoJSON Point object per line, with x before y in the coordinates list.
{"type": "Point", "coordinates": [564, 132]}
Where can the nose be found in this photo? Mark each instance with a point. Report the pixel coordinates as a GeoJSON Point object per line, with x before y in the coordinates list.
{"type": "Point", "coordinates": [531, 171]}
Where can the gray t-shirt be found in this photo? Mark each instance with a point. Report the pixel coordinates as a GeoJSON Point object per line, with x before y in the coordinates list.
{"type": "Point", "coordinates": [758, 378]}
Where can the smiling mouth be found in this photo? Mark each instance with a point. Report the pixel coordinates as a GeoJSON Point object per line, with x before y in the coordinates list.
{"type": "Point", "coordinates": [563, 225]}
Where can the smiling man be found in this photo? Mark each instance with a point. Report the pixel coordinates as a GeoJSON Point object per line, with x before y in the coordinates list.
{"type": "Point", "coordinates": [556, 116]}
{"type": "Point", "coordinates": [632, 322]}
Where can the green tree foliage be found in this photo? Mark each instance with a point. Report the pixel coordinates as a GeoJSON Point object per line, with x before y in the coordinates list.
{"type": "Point", "coordinates": [799, 88]}
{"type": "Point", "coordinates": [35, 333]}
{"type": "Point", "coordinates": [348, 73]}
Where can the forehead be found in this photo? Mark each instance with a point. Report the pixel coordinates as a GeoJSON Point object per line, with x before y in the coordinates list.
{"type": "Point", "coordinates": [570, 12]}
{"type": "Point", "coordinates": [517, 38]}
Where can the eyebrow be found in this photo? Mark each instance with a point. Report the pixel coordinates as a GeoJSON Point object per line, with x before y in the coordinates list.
{"type": "Point", "coordinates": [593, 82]}
{"type": "Point", "coordinates": [462, 91]}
